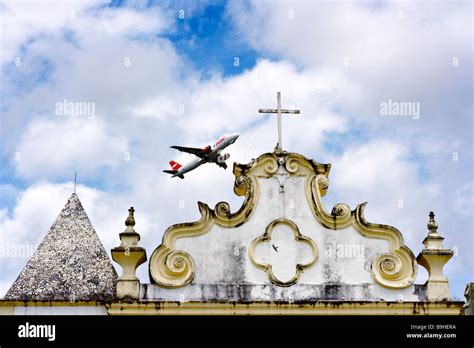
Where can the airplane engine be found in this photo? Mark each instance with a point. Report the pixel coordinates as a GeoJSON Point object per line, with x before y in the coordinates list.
{"type": "Point", "coordinates": [223, 158]}
{"type": "Point", "coordinates": [206, 149]}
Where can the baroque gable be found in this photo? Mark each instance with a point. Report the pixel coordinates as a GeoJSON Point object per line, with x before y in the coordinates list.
{"type": "Point", "coordinates": [283, 237]}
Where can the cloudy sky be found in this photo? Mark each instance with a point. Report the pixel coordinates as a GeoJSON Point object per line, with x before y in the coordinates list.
{"type": "Point", "coordinates": [183, 73]}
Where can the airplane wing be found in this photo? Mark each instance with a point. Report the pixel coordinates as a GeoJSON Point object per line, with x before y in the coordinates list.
{"type": "Point", "coordinates": [192, 150]}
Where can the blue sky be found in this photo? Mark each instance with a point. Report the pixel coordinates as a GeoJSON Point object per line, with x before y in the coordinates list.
{"type": "Point", "coordinates": [182, 87]}
{"type": "Point", "coordinates": [209, 42]}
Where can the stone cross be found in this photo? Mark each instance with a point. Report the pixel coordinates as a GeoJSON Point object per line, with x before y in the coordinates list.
{"type": "Point", "coordinates": [278, 111]}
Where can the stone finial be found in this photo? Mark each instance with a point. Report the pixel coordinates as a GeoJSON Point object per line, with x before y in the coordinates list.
{"type": "Point", "coordinates": [129, 255]}
{"type": "Point", "coordinates": [433, 257]}
{"type": "Point", "coordinates": [432, 226]}
{"type": "Point", "coordinates": [130, 221]}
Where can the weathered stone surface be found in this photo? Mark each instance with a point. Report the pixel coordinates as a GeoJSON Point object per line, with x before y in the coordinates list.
{"type": "Point", "coordinates": [69, 264]}
{"type": "Point", "coordinates": [245, 293]}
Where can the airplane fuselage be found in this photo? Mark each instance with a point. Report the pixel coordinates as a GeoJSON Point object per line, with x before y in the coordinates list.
{"type": "Point", "coordinates": [191, 166]}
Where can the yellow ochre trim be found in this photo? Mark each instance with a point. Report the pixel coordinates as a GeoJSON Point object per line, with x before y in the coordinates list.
{"type": "Point", "coordinates": [396, 269]}
{"type": "Point", "coordinates": [267, 236]}
{"type": "Point", "coordinates": [275, 308]}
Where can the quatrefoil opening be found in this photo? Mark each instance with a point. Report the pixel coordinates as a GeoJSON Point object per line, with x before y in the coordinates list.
{"type": "Point", "coordinates": [267, 266]}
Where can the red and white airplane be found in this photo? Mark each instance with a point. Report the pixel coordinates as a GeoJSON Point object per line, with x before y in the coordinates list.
{"type": "Point", "coordinates": [208, 154]}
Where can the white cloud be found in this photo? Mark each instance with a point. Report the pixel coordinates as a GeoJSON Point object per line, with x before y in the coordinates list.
{"type": "Point", "coordinates": [24, 20]}
{"type": "Point", "coordinates": [111, 57]}
{"type": "Point", "coordinates": [30, 20]}
{"type": "Point", "coordinates": [217, 104]}
{"type": "Point", "coordinates": [398, 50]}
{"type": "Point", "coordinates": [380, 173]}
{"type": "Point", "coordinates": [57, 147]}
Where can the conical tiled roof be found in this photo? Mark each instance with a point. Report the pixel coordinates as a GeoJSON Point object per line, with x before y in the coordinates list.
{"type": "Point", "coordinates": [69, 264]}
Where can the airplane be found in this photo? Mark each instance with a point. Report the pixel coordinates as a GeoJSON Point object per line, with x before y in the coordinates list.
{"type": "Point", "coordinates": [208, 154]}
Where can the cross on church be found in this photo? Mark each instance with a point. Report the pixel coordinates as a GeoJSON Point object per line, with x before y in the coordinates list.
{"type": "Point", "coordinates": [278, 111]}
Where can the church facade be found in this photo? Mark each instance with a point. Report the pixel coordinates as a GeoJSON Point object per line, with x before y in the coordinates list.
{"type": "Point", "coordinates": [281, 252]}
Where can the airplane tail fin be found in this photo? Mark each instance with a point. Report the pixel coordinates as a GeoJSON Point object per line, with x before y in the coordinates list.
{"type": "Point", "coordinates": [175, 165]}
